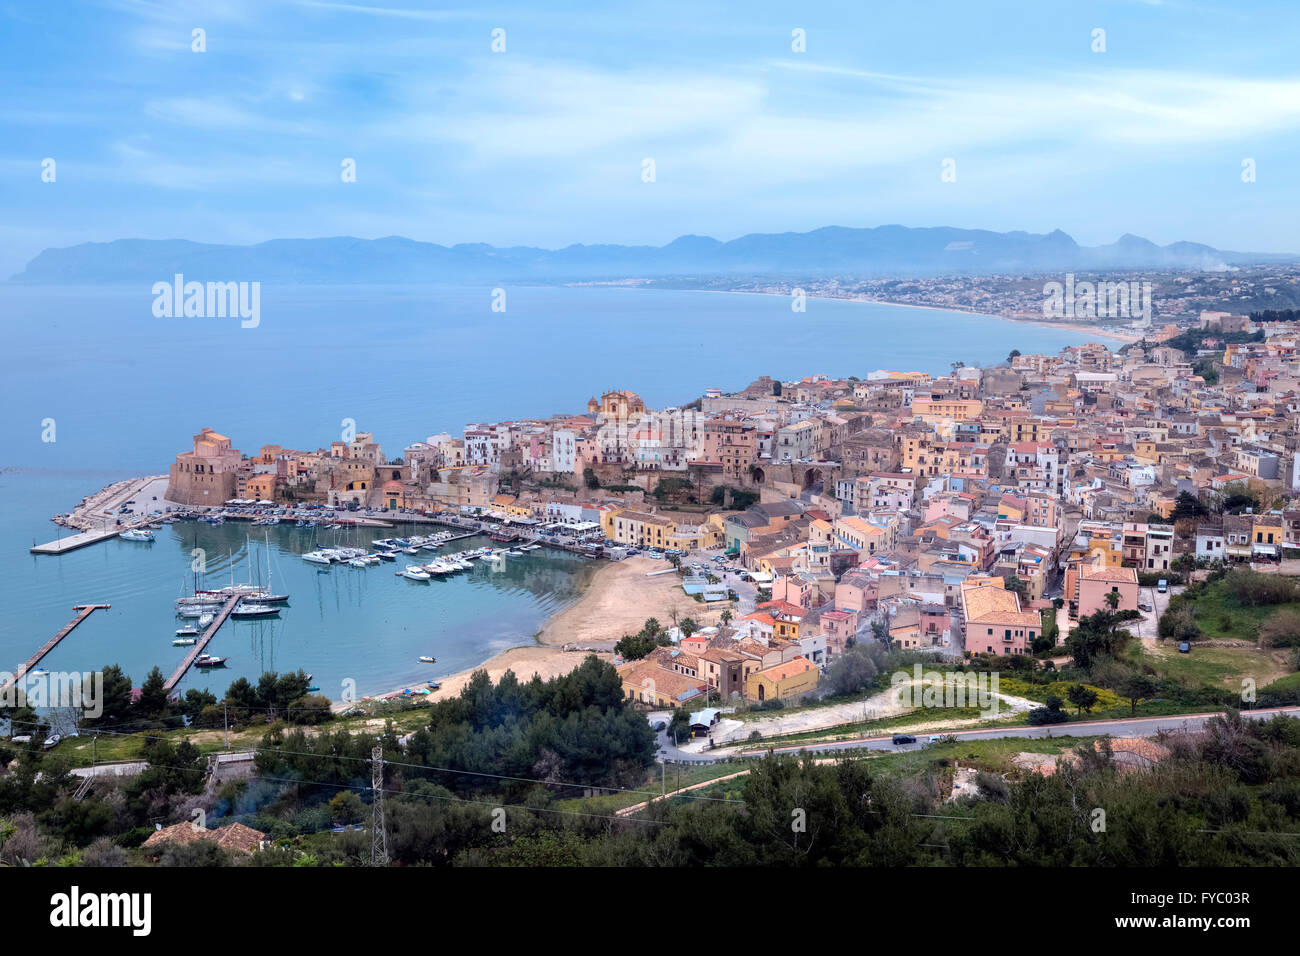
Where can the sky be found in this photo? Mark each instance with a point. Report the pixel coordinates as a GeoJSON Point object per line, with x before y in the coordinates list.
{"type": "Point", "coordinates": [546, 141]}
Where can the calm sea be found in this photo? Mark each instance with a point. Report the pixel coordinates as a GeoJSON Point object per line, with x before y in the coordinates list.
{"type": "Point", "coordinates": [121, 392]}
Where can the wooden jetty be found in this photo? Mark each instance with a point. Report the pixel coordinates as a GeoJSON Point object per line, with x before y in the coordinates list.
{"type": "Point", "coordinates": [208, 635]}
{"type": "Point", "coordinates": [84, 611]}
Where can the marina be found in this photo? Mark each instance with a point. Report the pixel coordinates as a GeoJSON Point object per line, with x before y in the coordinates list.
{"type": "Point", "coordinates": [346, 624]}
{"type": "Point", "coordinates": [193, 656]}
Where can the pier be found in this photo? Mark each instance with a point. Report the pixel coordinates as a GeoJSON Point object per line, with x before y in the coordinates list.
{"type": "Point", "coordinates": [208, 635]}
{"type": "Point", "coordinates": [83, 538]}
{"type": "Point", "coordinates": [85, 610]}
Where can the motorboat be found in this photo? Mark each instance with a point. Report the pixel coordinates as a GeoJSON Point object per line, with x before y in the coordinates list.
{"type": "Point", "coordinates": [428, 659]}
{"type": "Point", "coordinates": [207, 660]}
{"type": "Point", "coordinates": [317, 557]}
{"type": "Point", "coordinates": [184, 642]}
{"type": "Point", "coordinates": [187, 632]}
{"type": "Point", "coordinates": [136, 534]}
{"type": "Point", "coordinates": [415, 573]}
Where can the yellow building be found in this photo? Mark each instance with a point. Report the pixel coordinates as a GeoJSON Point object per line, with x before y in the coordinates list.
{"type": "Point", "coordinates": [782, 681]}
{"type": "Point", "coordinates": [638, 529]}
{"type": "Point", "coordinates": [936, 408]}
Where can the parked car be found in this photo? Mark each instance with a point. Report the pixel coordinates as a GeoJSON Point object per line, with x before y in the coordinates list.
{"type": "Point", "coordinates": [660, 726]}
{"type": "Point", "coordinates": [904, 739]}
{"type": "Point", "coordinates": [1184, 647]}
{"type": "Point", "coordinates": [1145, 607]}
{"type": "Point", "coordinates": [1163, 586]}
{"type": "Point", "coordinates": [52, 741]}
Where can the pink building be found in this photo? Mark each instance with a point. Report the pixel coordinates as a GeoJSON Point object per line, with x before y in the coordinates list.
{"type": "Point", "coordinates": [1096, 583]}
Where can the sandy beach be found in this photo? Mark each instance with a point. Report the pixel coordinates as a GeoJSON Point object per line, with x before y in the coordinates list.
{"type": "Point", "coordinates": [1063, 326]}
{"type": "Point", "coordinates": [615, 602]}
{"type": "Point", "coordinates": [546, 662]}
{"type": "Point", "coordinates": [619, 599]}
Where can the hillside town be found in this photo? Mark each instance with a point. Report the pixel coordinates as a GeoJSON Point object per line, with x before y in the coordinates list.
{"type": "Point", "coordinates": [978, 512]}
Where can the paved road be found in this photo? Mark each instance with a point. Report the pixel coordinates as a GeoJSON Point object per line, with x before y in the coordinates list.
{"type": "Point", "coordinates": [1137, 727]}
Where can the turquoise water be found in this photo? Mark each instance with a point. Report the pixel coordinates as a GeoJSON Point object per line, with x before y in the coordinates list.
{"type": "Point", "coordinates": [341, 623]}
{"type": "Point", "coordinates": [126, 391]}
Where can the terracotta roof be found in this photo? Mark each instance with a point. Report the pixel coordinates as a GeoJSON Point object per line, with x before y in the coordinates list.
{"type": "Point", "coordinates": [1117, 575]}
{"type": "Point", "coordinates": [790, 668]}
{"type": "Point", "coordinates": [236, 836]}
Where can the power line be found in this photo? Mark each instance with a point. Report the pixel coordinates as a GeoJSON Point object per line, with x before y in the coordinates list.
{"type": "Point", "coordinates": [435, 769]}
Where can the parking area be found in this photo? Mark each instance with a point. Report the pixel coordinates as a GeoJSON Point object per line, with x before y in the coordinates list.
{"type": "Point", "coordinates": [1157, 603]}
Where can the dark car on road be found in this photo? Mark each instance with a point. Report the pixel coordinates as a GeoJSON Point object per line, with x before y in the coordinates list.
{"type": "Point", "coordinates": [904, 739]}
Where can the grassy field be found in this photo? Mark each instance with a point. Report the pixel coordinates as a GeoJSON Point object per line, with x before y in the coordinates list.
{"type": "Point", "coordinates": [672, 777]}
{"type": "Point", "coordinates": [1220, 616]}
{"type": "Point", "coordinates": [117, 747]}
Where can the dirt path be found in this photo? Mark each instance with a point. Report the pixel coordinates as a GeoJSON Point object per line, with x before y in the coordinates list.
{"type": "Point", "coordinates": [880, 706]}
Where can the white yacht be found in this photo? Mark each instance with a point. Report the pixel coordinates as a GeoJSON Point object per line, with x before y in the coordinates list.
{"type": "Point", "coordinates": [415, 573]}
{"type": "Point", "coordinates": [197, 611]}
{"type": "Point", "coordinates": [255, 610]}
{"type": "Point", "coordinates": [137, 534]}
{"type": "Point", "coordinates": [317, 557]}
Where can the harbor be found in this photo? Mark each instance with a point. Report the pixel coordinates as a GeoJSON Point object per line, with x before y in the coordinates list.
{"type": "Point", "coordinates": [348, 627]}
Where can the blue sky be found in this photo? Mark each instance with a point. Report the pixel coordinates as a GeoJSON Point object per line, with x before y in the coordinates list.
{"type": "Point", "coordinates": [543, 144]}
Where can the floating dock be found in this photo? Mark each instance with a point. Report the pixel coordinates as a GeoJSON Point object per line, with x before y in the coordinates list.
{"type": "Point", "coordinates": [197, 649]}
{"type": "Point", "coordinates": [85, 610]}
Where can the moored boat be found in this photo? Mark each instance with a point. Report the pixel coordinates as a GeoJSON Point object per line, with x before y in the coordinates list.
{"type": "Point", "coordinates": [255, 610]}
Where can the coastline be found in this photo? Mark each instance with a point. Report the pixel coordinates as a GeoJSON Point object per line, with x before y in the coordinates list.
{"type": "Point", "coordinates": [1100, 330]}
{"type": "Point", "coordinates": [616, 601]}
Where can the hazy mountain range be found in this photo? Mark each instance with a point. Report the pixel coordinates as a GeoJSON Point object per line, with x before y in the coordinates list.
{"type": "Point", "coordinates": [833, 250]}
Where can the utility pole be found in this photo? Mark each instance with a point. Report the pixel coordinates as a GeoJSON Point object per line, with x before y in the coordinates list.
{"type": "Point", "coordinates": [378, 838]}
{"type": "Point", "coordinates": [225, 716]}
